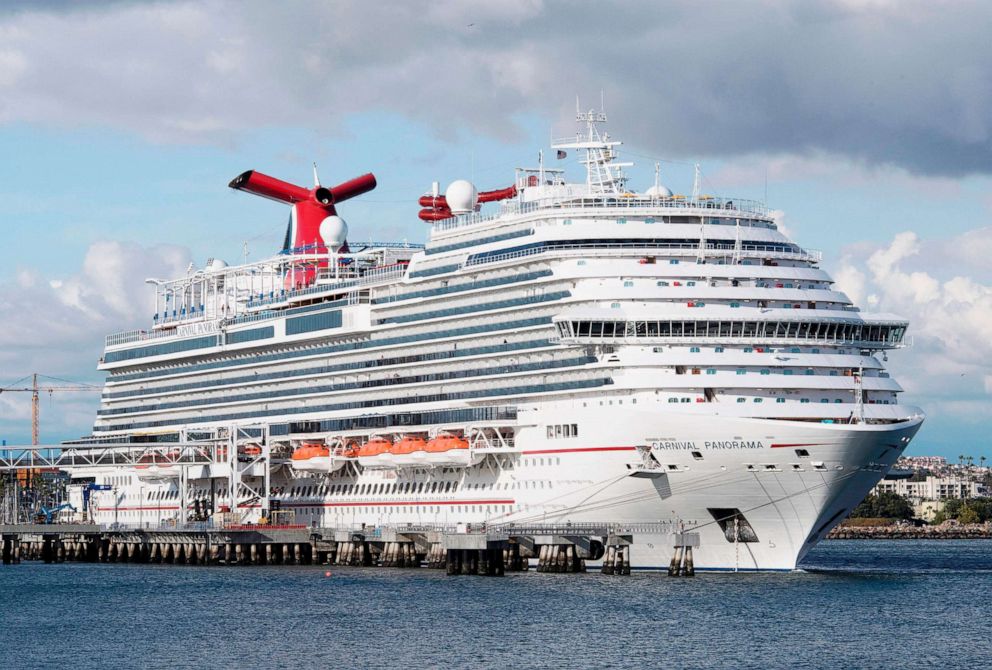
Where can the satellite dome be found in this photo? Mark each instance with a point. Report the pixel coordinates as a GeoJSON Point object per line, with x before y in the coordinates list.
{"type": "Point", "coordinates": [216, 265]}
{"type": "Point", "coordinates": [658, 191]}
{"type": "Point", "coordinates": [334, 232]}
{"type": "Point", "coordinates": [461, 196]}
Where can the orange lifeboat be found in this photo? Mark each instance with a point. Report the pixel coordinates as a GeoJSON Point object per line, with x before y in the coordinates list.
{"type": "Point", "coordinates": [447, 449]}
{"type": "Point", "coordinates": [312, 457]}
{"type": "Point", "coordinates": [410, 450]}
{"type": "Point", "coordinates": [375, 455]}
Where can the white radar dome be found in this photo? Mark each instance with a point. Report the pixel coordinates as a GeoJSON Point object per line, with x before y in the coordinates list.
{"type": "Point", "coordinates": [334, 232]}
{"type": "Point", "coordinates": [658, 191]}
{"type": "Point", "coordinates": [216, 265]}
{"type": "Point", "coordinates": [461, 196]}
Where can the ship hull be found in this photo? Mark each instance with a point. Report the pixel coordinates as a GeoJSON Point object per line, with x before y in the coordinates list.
{"type": "Point", "coordinates": [786, 483]}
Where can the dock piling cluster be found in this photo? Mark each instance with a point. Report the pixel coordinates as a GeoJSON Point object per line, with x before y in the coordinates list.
{"type": "Point", "coordinates": [458, 553]}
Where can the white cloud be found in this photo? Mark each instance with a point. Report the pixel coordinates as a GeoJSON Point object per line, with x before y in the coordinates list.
{"type": "Point", "coordinates": [851, 281]}
{"type": "Point", "coordinates": [948, 367]}
{"type": "Point", "coordinates": [13, 65]}
{"type": "Point", "coordinates": [873, 81]}
{"type": "Point", "coordinates": [56, 326]}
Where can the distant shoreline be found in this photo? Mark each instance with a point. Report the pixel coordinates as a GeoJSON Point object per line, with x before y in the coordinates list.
{"type": "Point", "coordinates": [977, 531]}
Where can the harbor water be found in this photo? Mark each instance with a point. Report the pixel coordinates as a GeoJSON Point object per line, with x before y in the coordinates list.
{"type": "Point", "coordinates": [855, 604]}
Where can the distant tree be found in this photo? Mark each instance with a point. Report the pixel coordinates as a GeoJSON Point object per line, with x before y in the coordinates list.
{"type": "Point", "coordinates": [968, 515]}
{"type": "Point", "coordinates": [952, 508]}
{"type": "Point", "coordinates": [894, 506]}
{"type": "Point", "coordinates": [982, 507]}
{"type": "Point", "coordinates": [976, 510]}
{"type": "Point", "coordinates": [920, 475]}
{"type": "Point", "coordinates": [883, 506]}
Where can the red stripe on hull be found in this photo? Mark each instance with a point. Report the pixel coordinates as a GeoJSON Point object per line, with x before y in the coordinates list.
{"type": "Point", "coordinates": [805, 444]}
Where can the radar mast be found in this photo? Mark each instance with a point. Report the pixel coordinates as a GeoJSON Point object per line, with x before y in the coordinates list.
{"type": "Point", "coordinates": [603, 174]}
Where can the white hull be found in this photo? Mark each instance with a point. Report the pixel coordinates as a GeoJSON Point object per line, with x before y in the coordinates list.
{"type": "Point", "coordinates": [589, 480]}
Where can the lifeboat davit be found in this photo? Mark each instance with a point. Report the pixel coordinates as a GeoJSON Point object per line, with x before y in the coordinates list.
{"type": "Point", "coordinates": [157, 467]}
{"type": "Point", "coordinates": [346, 452]}
{"type": "Point", "coordinates": [450, 450]}
{"type": "Point", "coordinates": [375, 454]}
{"type": "Point", "coordinates": [312, 457]}
{"type": "Point", "coordinates": [410, 451]}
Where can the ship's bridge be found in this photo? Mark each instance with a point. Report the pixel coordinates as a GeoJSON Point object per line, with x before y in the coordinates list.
{"type": "Point", "coordinates": [669, 323]}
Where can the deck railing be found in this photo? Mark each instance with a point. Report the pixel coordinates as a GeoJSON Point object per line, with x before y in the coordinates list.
{"type": "Point", "coordinates": [606, 203]}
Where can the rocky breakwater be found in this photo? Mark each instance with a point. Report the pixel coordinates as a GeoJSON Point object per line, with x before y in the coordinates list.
{"type": "Point", "coordinates": [948, 530]}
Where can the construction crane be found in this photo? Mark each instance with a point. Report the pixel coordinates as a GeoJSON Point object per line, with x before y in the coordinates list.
{"type": "Point", "coordinates": [35, 390]}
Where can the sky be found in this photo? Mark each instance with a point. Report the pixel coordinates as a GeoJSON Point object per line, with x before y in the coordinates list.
{"type": "Point", "coordinates": [864, 123]}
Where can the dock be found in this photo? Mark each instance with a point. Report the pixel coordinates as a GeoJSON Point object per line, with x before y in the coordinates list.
{"type": "Point", "coordinates": [459, 550]}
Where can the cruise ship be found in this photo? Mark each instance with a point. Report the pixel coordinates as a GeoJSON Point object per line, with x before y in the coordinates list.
{"type": "Point", "coordinates": [556, 352]}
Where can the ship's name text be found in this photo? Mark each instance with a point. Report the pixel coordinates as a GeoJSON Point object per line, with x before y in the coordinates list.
{"type": "Point", "coordinates": [676, 445]}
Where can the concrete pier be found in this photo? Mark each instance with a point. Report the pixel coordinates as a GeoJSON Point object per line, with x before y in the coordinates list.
{"type": "Point", "coordinates": [459, 551]}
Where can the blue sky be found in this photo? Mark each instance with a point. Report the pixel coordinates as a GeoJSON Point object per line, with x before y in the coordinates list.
{"type": "Point", "coordinates": [866, 122]}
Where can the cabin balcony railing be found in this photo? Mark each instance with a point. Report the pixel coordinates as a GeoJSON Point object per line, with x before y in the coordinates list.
{"type": "Point", "coordinates": [604, 203]}
{"type": "Point", "coordinates": [754, 251]}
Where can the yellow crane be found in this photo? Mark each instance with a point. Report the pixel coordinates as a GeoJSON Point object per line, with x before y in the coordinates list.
{"type": "Point", "coordinates": [35, 390]}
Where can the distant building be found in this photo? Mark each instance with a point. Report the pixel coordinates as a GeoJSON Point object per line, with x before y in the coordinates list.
{"type": "Point", "coordinates": [923, 462]}
{"type": "Point", "coordinates": [933, 488]}
{"type": "Point", "coordinates": [927, 509]}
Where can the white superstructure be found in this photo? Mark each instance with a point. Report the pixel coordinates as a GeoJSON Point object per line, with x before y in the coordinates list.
{"type": "Point", "coordinates": [586, 353]}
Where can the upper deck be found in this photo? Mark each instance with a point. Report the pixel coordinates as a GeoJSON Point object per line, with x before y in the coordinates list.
{"type": "Point", "coordinates": [561, 201]}
{"type": "Point", "coordinates": [221, 295]}
{"type": "Point", "coordinates": [209, 300]}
